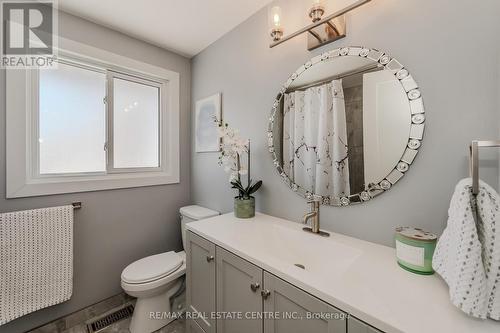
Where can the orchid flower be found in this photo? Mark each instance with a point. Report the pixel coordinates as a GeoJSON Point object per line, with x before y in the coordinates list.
{"type": "Point", "coordinates": [232, 146]}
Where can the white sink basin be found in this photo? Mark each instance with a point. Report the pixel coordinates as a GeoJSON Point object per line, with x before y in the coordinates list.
{"type": "Point", "coordinates": [322, 256]}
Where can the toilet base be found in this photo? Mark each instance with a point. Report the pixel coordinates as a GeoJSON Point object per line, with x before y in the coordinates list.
{"type": "Point", "coordinates": [153, 313]}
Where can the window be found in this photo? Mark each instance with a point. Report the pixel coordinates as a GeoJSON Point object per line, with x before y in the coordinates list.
{"type": "Point", "coordinates": [135, 124]}
{"type": "Point", "coordinates": [91, 125]}
{"type": "Point", "coordinates": [77, 103]}
{"type": "Point", "coordinates": [71, 118]}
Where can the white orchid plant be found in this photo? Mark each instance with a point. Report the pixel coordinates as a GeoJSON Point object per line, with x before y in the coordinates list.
{"type": "Point", "coordinates": [232, 148]}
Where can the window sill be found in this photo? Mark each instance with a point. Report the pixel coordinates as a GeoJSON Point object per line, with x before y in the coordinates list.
{"type": "Point", "coordinates": [73, 184]}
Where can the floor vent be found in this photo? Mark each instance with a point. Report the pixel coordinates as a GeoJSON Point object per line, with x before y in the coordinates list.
{"type": "Point", "coordinates": [103, 322]}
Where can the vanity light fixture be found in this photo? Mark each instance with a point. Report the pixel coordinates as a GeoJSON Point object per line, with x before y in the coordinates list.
{"type": "Point", "coordinates": [321, 31]}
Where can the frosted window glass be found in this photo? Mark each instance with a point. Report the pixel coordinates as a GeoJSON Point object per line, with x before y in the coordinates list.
{"type": "Point", "coordinates": [71, 120]}
{"type": "Point", "coordinates": [135, 124]}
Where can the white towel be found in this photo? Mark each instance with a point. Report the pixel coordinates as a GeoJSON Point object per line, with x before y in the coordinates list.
{"type": "Point", "coordinates": [467, 255]}
{"type": "Point", "coordinates": [36, 259]}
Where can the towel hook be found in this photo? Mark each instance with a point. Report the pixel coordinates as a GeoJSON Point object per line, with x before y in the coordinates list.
{"type": "Point", "coordinates": [474, 160]}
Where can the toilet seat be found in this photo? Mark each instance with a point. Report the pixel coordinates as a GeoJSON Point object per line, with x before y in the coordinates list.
{"type": "Point", "coordinates": [150, 287]}
{"type": "Point", "coordinates": [152, 268]}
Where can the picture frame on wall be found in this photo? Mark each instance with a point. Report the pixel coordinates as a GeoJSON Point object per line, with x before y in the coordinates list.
{"type": "Point", "coordinates": [206, 136]}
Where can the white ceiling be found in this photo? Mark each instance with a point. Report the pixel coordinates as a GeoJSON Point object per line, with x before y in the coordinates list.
{"type": "Point", "coordinates": [183, 26]}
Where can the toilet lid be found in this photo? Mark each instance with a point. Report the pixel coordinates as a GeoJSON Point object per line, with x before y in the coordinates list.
{"type": "Point", "coordinates": [152, 268]}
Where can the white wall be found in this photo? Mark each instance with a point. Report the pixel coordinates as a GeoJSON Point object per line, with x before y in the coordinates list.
{"type": "Point", "coordinates": [386, 120]}
{"type": "Point", "coordinates": [453, 58]}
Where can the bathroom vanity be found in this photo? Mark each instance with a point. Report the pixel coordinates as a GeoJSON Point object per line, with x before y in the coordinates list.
{"type": "Point", "coordinates": [295, 281]}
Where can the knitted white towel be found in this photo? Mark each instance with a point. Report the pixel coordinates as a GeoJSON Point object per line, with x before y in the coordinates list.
{"type": "Point", "coordinates": [467, 255]}
{"type": "Point", "coordinates": [36, 256]}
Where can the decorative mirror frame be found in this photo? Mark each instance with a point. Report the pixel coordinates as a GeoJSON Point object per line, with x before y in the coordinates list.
{"type": "Point", "coordinates": [416, 128]}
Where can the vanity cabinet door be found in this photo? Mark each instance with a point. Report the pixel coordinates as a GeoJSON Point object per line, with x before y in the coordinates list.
{"type": "Point", "coordinates": [239, 284]}
{"type": "Point", "coordinates": [357, 326]}
{"type": "Point", "coordinates": [200, 280]}
{"type": "Point", "coordinates": [292, 305]}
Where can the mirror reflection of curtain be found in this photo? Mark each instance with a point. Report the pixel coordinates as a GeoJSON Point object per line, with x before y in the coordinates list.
{"type": "Point", "coordinates": [315, 152]}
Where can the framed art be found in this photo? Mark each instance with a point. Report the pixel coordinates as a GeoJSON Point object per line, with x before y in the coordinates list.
{"type": "Point", "coordinates": [206, 136]}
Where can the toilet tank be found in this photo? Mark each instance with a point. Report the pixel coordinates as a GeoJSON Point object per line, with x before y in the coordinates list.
{"type": "Point", "coordinates": [193, 213]}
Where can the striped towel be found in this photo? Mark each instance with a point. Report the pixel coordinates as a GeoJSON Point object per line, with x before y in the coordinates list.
{"type": "Point", "coordinates": [36, 260]}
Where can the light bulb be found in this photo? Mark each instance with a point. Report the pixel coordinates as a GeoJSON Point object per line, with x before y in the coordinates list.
{"type": "Point", "coordinates": [318, 3]}
{"type": "Point", "coordinates": [275, 17]}
{"type": "Point", "coordinates": [276, 20]}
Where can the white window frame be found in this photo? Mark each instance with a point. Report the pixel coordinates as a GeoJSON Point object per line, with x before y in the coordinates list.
{"type": "Point", "coordinates": [111, 75]}
{"type": "Point", "coordinates": [23, 178]}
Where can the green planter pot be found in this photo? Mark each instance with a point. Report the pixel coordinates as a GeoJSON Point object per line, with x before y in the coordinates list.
{"type": "Point", "coordinates": [244, 208]}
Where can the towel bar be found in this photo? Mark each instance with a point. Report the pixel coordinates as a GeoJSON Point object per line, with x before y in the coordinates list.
{"type": "Point", "coordinates": [474, 160]}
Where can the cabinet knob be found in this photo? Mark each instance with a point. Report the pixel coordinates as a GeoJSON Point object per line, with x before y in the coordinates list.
{"type": "Point", "coordinates": [254, 286]}
{"type": "Point", "coordinates": [265, 293]}
{"type": "Point", "coordinates": [210, 258]}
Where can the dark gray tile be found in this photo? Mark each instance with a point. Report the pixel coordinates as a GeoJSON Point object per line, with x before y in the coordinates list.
{"type": "Point", "coordinates": [55, 326]}
{"type": "Point", "coordinates": [119, 327]}
{"type": "Point", "coordinates": [177, 326]}
{"type": "Point", "coordinates": [105, 306]}
{"type": "Point", "coordinates": [75, 322]}
{"type": "Point", "coordinates": [76, 329]}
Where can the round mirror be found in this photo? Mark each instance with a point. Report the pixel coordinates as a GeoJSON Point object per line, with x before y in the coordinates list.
{"type": "Point", "coordinates": [346, 126]}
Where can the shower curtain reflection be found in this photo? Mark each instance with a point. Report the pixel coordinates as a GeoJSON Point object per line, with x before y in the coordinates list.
{"type": "Point", "coordinates": [315, 150]}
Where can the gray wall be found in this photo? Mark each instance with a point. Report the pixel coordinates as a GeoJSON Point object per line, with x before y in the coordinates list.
{"type": "Point", "coordinates": [451, 47]}
{"type": "Point", "coordinates": [114, 227]}
{"type": "Point", "coordinates": [353, 99]}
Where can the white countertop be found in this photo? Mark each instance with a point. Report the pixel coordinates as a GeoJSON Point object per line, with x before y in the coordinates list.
{"type": "Point", "coordinates": [356, 276]}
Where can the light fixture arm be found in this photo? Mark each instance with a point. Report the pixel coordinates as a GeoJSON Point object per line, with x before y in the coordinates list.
{"type": "Point", "coordinates": [325, 20]}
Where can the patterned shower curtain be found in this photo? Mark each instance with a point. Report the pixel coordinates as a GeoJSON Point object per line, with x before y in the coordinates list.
{"type": "Point", "coordinates": [315, 152]}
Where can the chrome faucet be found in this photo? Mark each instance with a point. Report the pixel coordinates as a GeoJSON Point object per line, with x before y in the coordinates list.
{"type": "Point", "coordinates": [313, 215]}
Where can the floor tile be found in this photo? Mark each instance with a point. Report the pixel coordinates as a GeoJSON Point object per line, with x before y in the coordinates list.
{"type": "Point", "coordinates": [177, 326]}
{"type": "Point", "coordinates": [76, 322]}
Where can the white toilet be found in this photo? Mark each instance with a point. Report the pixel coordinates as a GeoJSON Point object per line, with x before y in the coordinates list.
{"type": "Point", "coordinates": [155, 279]}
